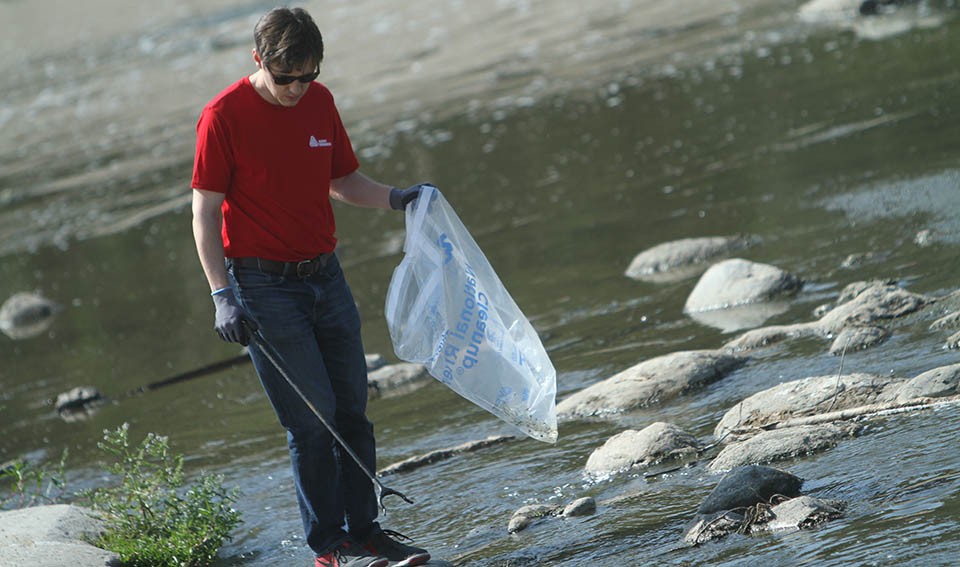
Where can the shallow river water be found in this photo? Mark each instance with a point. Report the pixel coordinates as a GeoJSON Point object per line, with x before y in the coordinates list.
{"type": "Point", "coordinates": [569, 136]}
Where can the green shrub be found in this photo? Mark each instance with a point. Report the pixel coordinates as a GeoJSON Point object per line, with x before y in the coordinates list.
{"type": "Point", "coordinates": [151, 519]}
{"type": "Point", "coordinates": [32, 485]}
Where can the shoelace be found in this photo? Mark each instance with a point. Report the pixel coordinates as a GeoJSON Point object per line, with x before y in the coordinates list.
{"type": "Point", "coordinates": [395, 534]}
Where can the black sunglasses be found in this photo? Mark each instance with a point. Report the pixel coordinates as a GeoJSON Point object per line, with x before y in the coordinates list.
{"type": "Point", "coordinates": [287, 79]}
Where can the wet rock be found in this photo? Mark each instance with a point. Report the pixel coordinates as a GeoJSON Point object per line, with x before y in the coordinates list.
{"type": "Point", "coordinates": [857, 260]}
{"type": "Point", "coordinates": [443, 454]}
{"type": "Point", "coordinates": [739, 282]}
{"type": "Point", "coordinates": [779, 444]}
{"type": "Point", "coordinates": [375, 361]}
{"type": "Point", "coordinates": [925, 238]}
{"type": "Point", "coordinates": [749, 485]}
{"type": "Point", "coordinates": [767, 336]}
{"type": "Point", "coordinates": [803, 512]}
{"type": "Point", "coordinates": [25, 315]}
{"type": "Point", "coordinates": [528, 515]}
{"type": "Point", "coordinates": [860, 305]}
{"type": "Point", "coordinates": [954, 341]}
{"type": "Point", "coordinates": [808, 396]}
{"type": "Point", "coordinates": [870, 305]}
{"type": "Point", "coordinates": [651, 382]}
{"type": "Point", "coordinates": [580, 507]}
{"type": "Point", "coordinates": [708, 527]}
{"type": "Point", "coordinates": [949, 321]}
{"type": "Point", "coordinates": [78, 403]}
{"type": "Point", "coordinates": [657, 442]}
{"type": "Point", "coordinates": [524, 517]}
{"type": "Point", "coordinates": [395, 379]}
{"type": "Point", "coordinates": [937, 383]}
{"type": "Point", "coordinates": [853, 339]}
{"type": "Point", "coordinates": [682, 258]}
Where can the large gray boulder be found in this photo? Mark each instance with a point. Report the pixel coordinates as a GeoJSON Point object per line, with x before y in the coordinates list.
{"type": "Point", "coordinates": [749, 485]}
{"type": "Point", "coordinates": [739, 282]}
{"type": "Point", "coordinates": [656, 442]}
{"type": "Point", "coordinates": [807, 396]}
{"type": "Point", "coordinates": [51, 536]}
{"type": "Point", "coordinates": [651, 382]}
{"type": "Point", "coordinates": [779, 444]}
{"type": "Point", "coordinates": [738, 294]}
{"type": "Point", "coordinates": [679, 259]}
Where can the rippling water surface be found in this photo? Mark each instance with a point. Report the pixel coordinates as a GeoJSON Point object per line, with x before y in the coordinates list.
{"type": "Point", "coordinates": [569, 136]}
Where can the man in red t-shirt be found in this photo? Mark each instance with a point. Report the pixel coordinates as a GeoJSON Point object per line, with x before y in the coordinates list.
{"type": "Point", "coordinates": [271, 151]}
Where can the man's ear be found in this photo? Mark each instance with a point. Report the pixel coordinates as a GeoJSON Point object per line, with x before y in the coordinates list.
{"type": "Point", "coordinates": [256, 58]}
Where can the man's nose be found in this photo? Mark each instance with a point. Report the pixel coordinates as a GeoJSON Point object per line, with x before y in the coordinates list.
{"type": "Point", "coordinates": [297, 87]}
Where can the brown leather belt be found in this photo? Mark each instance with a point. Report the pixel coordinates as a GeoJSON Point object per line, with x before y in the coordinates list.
{"type": "Point", "coordinates": [302, 269]}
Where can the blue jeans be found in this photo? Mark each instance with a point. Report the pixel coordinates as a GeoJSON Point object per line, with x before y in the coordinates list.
{"type": "Point", "coordinates": [314, 327]}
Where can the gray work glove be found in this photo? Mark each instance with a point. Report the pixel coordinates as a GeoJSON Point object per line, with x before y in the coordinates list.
{"type": "Point", "coordinates": [400, 198]}
{"type": "Point", "coordinates": [233, 324]}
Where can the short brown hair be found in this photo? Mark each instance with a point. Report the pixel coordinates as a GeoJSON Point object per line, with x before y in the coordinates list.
{"type": "Point", "coordinates": [288, 38]}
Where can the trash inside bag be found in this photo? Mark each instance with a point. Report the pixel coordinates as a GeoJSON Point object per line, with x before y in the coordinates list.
{"type": "Point", "coordinates": [447, 309]}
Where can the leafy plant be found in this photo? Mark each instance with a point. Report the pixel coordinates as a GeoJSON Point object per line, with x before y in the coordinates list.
{"type": "Point", "coordinates": [33, 485]}
{"type": "Point", "coordinates": [152, 519]}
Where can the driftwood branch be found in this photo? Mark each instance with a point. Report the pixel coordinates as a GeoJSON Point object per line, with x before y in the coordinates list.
{"type": "Point", "coordinates": [869, 410]}
{"type": "Point", "coordinates": [442, 455]}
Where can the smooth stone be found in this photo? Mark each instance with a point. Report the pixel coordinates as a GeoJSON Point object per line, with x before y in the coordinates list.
{"type": "Point", "coordinates": [739, 282]}
{"type": "Point", "coordinates": [395, 379]}
{"type": "Point", "coordinates": [749, 485]}
{"type": "Point", "coordinates": [25, 315]}
{"type": "Point", "coordinates": [656, 442]}
{"type": "Point", "coordinates": [779, 444]}
{"type": "Point", "coordinates": [852, 339]}
{"type": "Point", "coordinates": [936, 383]}
{"type": "Point", "coordinates": [580, 507]}
{"type": "Point", "coordinates": [651, 382]}
{"type": "Point", "coordinates": [677, 256]}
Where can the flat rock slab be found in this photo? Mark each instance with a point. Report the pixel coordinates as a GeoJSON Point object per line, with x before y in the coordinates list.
{"type": "Point", "coordinates": [799, 513]}
{"type": "Point", "coordinates": [46, 536]}
{"type": "Point", "coordinates": [807, 396]}
{"type": "Point", "coordinates": [651, 382]}
{"type": "Point", "coordinates": [679, 259]}
{"type": "Point", "coordinates": [657, 442]}
{"type": "Point", "coordinates": [779, 444]}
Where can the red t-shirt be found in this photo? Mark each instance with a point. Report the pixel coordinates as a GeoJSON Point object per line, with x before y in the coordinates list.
{"type": "Point", "coordinates": [274, 164]}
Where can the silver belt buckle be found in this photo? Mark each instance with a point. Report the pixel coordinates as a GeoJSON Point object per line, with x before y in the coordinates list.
{"type": "Point", "coordinates": [305, 269]}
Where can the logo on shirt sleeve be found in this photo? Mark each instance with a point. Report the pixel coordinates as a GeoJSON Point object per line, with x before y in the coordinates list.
{"type": "Point", "coordinates": [321, 143]}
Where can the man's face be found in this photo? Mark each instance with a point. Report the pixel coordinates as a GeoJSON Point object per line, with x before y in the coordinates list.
{"type": "Point", "coordinates": [288, 94]}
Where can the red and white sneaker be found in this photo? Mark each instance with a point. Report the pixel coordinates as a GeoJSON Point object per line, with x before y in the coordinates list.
{"type": "Point", "coordinates": [350, 554]}
{"type": "Point", "coordinates": [382, 543]}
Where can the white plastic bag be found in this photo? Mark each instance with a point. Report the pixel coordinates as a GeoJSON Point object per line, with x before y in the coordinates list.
{"type": "Point", "coordinates": [447, 309]}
